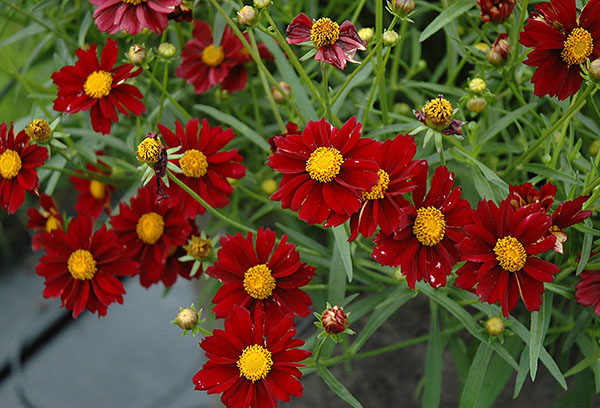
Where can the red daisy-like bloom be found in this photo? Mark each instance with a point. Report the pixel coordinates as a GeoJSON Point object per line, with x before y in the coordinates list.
{"type": "Point", "coordinates": [98, 86]}
{"type": "Point", "coordinates": [335, 44]}
{"type": "Point", "coordinates": [148, 229]}
{"type": "Point", "coordinates": [383, 205]}
{"type": "Point", "coordinates": [81, 267]}
{"type": "Point", "coordinates": [205, 168]}
{"type": "Point", "coordinates": [251, 364]}
{"type": "Point", "coordinates": [266, 277]}
{"type": "Point", "coordinates": [561, 42]}
{"type": "Point", "coordinates": [499, 249]}
{"type": "Point", "coordinates": [496, 11]}
{"type": "Point", "coordinates": [133, 15]}
{"type": "Point", "coordinates": [18, 163]}
{"type": "Point", "coordinates": [94, 195]}
{"type": "Point", "coordinates": [325, 170]}
{"type": "Point", "coordinates": [424, 245]}
{"type": "Point", "coordinates": [44, 221]}
{"type": "Point", "coordinates": [587, 291]}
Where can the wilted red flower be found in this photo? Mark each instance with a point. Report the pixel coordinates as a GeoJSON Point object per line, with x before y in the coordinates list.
{"type": "Point", "coordinates": [18, 163]}
{"type": "Point", "coordinates": [334, 320]}
{"type": "Point", "coordinates": [94, 195]}
{"type": "Point", "coordinates": [250, 364]}
{"type": "Point", "coordinates": [44, 221]}
{"type": "Point", "coordinates": [324, 171]}
{"type": "Point", "coordinates": [499, 249]}
{"type": "Point", "coordinates": [335, 44]}
{"type": "Point", "coordinates": [98, 86]}
{"type": "Point", "coordinates": [496, 11]}
{"type": "Point", "coordinates": [205, 168]}
{"type": "Point", "coordinates": [587, 291]}
{"type": "Point", "coordinates": [149, 229]}
{"type": "Point", "coordinates": [133, 15]}
{"type": "Point", "coordinates": [561, 42]}
{"type": "Point", "coordinates": [382, 205]}
{"type": "Point", "coordinates": [266, 278]}
{"type": "Point", "coordinates": [424, 245]}
{"type": "Point", "coordinates": [81, 267]}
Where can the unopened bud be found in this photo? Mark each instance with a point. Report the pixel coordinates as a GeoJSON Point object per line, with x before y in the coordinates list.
{"type": "Point", "coordinates": [595, 70]}
{"type": "Point", "coordinates": [277, 95]}
{"type": "Point", "coordinates": [390, 38]}
{"type": "Point", "coordinates": [477, 85]}
{"type": "Point", "coordinates": [494, 326]}
{"type": "Point", "coordinates": [246, 16]}
{"type": "Point", "coordinates": [268, 186]}
{"type": "Point", "coordinates": [366, 34]}
{"type": "Point", "coordinates": [594, 147]}
{"type": "Point", "coordinates": [476, 104]}
{"type": "Point", "coordinates": [261, 4]}
{"type": "Point", "coordinates": [334, 320]}
{"type": "Point", "coordinates": [546, 159]}
{"type": "Point", "coordinates": [500, 51]}
{"type": "Point", "coordinates": [167, 50]}
{"type": "Point", "coordinates": [403, 7]}
{"type": "Point", "coordinates": [39, 130]}
{"type": "Point", "coordinates": [136, 54]}
{"type": "Point", "coordinates": [186, 318]}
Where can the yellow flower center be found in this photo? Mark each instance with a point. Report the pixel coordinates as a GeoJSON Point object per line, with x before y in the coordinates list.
{"type": "Point", "coordinates": [150, 228]}
{"type": "Point", "coordinates": [148, 151]}
{"type": "Point", "coordinates": [429, 226]}
{"type": "Point", "coordinates": [134, 2]}
{"type": "Point", "coordinates": [51, 224]}
{"type": "Point", "coordinates": [97, 190]}
{"type": "Point", "coordinates": [378, 190]}
{"type": "Point", "coordinates": [98, 84]}
{"type": "Point", "coordinates": [39, 130]}
{"type": "Point", "coordinates": [213, 56]}
{"type": "Point", "coordinates": [578, 46]}
{"type": "Point", "coordinates": [324, 164]}
{"type": "Point", "coordinates": [255, 363]}
{"type": "Point", "coordinates": [510, 254]}
{"type": "Point", "coordinates": [193, 163]}
{"type": "Point", "coordinates": [198, 247]}
{"type": "Point", "coordinates": [10, 164]}
{"type": "Point", "coordinates": [81, 265]}
{"type": "Point", "coordinates": [324, 32]}
{"type": "Point", "coordinates": [258, 282]}
{"type": "Point", "coordinates": [438, 112]}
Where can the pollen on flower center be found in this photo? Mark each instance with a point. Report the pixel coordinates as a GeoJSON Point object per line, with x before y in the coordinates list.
{"type": "Point", "coordinates": [134, 2]}
{"type": "Point", "coordinates": [577, 47]}
{"type": "Point", "coordinates": [199, 248]}
{"type": "Point", "coordinates": [510, 254]}
{"type": "Point", "coordinates": [150, 228]}
{"type": "Point", "coordinates": [438, 113]}
{"type": "Point", "coordinates": [51, 224]}
{"type": "Point", "coordinates": [258, 282]}
{"type": "Point", "coordinates": [193, 163]}
{"type": "Point", "coordinates": [324, 164]}
{"type": "Point", "coordinates": [10, 164]}
{"type": "Point", "coordinates": [429, 226]}
{"type": "Point", "coordinates": [98, 84]}
{"type": "Point", "coordinates": [213, 56]}
{"type": "Point", "coordinates": [378, 190]}
{"type": "Point", "coordinates": [255, 363]}
{"type": "Point", "coordinates": [81, 265]}
{"type": "Point", "coordinates": [324, 32]}
{"type": "Point", "coordinates": [97, 189]}
{"type": "Point", "coordinates": [148, 150]}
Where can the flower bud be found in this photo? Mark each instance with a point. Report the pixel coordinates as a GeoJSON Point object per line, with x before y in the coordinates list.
{"type": "Point", "coordinates": [148, 150]}
{"type": "Point", "coordinates": [261, 4]}
{"type": "Point", "coordinates": [500, 51]}
{"type": "Point", "coordinates": [199, 248]}
{"type": "Point", "coordinates": [366, 34]}
{"type": "Point", "coordinates": [167, 50]}
{"type": "Point", "coordinates": [136, 54]}
{"type": "Point", "coordinates": [595, 70]}
{"type": "Point", "coordinates": [39, 130]}
{"type": "Point", "coordinates": [477, 85]}
{"type": "Point", "coordinates": [246, 16]}
{"type": "Point", "coordinates": [186, 318]}
{"type": "Point", "coordinates": [476, 104]}
{"type": "Point", "coordinates": [277, 95]}
{"type": "Point", "coordinates": [594, 147]}
{"type": "Point", "coordinates": [268, 186]}
{"type": "Point", "coordinates": [334, 320]}
{"type": "Point", "coordinates": [390, 38]}
{"type": "Point", "coordinates": [403, 7]}
{"type": "Point", "coordinates": [496, 11]}
{"type": "Point", "coordinates": [494, 326]}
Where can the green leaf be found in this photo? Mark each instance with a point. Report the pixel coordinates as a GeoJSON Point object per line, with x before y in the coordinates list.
{"type": "Point", "coordinates": [336, 279]}
{"type": "Point", "coordinates": [433, 364]}
{"type": "Point", "coordinates": [507, 119]}
{"type": "Point", "coordinates": [360, 77]}
{"type": "Point", "coordinates": [522, 374]}
{"type": "Point", "coordinates": [304, 239]}
{"type": "Point", "coordinates": [536, 335]}
{"type": "Point", "coordinates": [580, 325]}
{"type": "Point", "coordinates": [342, 244]}
{"type": "Point", "coordinates": [83, 29]}
{"type": "Point", "coordinates": [548, 172]}
{"type": "Point", "coordinates": [337, 387]}
{"type": "Point", "coordinates": [586, 250]}
{"type": "Point", "coordinates": [445, 17]}
{"type": "Point", "coordinates": [583, 364]}
{"type": "Point", "coordinates": [488, 173]}
{"type": "Point", "coordinates": [470, 393]}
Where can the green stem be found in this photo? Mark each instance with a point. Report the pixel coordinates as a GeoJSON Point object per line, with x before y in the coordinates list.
{"type": "Point", "coordinates": [375, 86]}
{"type": "Point", "coordinates": [86, 176]}
{"type": "Point", "coordinates": [317, 352]}
{"type": "Point", "coordinates": [325, 89]}
{"type": "Point", "coordinates": [168, 95]}
{"type": "Point", "coordinates": [355, 72]}
{"type": "Point", "coordinates": [162, 96]}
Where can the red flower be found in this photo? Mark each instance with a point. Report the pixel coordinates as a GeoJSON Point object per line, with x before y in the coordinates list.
{"type": "Point", "coordinates": [587, 291]}
{"type": "Point", "coordinates": [18, 163]}
{"type": "Point", "coordinates": [424, 245]}
{"type": "Point", "coordinates": [324, 171]}
{"type": "Point", "coordinates": [205, 168]}
{"type": "Point", "coordinates": [94, 195]}
{"type": "Point", "coordinates": [81, 267]}
{"type": "Point", "coordinates": [45, 221]}
{"type": "Point", "coordinates": [250, 365]}
{"type": "Point", "coordinates": [98, 86]}
{"type": "Point", "coordinates": [496, 11]}
{"type": "Point", "coordinates": [383, 204]}
{"type": "Point", "coordinates": [266, 278]}
{"type": "Point", "coordinates": [499, 249]}
{"type": "Point", "coordinates": [526, 194]}
{"type": "Point", "coordinates": [149, 229]}
{"type": "Point", "coordinates": [174, 267]}
{"type": "Point", "coordinates": [561, 42]}
{"type": "Point", "coordinates": [133, 15]}
{"type": "Point", "coordinates": [335, 44]}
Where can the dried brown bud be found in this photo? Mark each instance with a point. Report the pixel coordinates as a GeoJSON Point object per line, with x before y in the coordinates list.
{"type": "Point", "coordinates": [334, 320]}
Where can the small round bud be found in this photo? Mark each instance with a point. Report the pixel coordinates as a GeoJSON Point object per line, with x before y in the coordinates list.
{"type": "Point", "coordinates": [334, 320]}
{"type": "Point", "coordinates": [421, 65]}
{"type": "Point", "coordinates": [390, 38]}
{"type": "Point", "coordinates": [494, 326]}
{"type": "Point", "coordinates": [148, 150]}
{"type": "Point", "coordinates": [402, 108]}
{"type": "Point", "coordinates": [500, 51]}
{"type": "Point", "coordinates": [246, 16]}
{"type": "Point", "coordinates": [476, 104]}
{"type": "Point", "coordinates": [136, 54]}
{"type": "Point", "coordinates": [199, 248]}
{"type": "Point", "coordinates": [277, 95]}
{"type": "Point", "coordinates": [595, 70]}
{"type": "Point", "coordinates": [594, 147]}
{"type": "Point", "coordinates": [477, 85]}
{"type": "Point", "coordinates": [39, 130]}
{"type": "Point", "coordinates": [268, 186]}
{"type": "Point", "coordinates": [366, 34]}
{"type": "Point", "coordinates": [546, 158]}
{"type": "Point", "coordinates": [186, 318]}
{"type": "Point", "coordinates": [167, 50]}
{"type": "Point", "coordinates": [261, 4]}
{"type": "Point", "coordinates": [403, 7]}
{"type": "Point", "coordinates": [482, 47]}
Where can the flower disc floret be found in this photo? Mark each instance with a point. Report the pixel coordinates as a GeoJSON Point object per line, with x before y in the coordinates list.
{"type": "Point", "coordinates": [148, 150]}
{"type": "Point", "coordinates": [324, 164]}
{"type": "Point", "coordinates": [150, 228]}
{"type": "Point", "coordinates": [510, 254]}
{"type": "Point", "coordinates": [10, 164]}
{"type": "Point", "coordinates": [134, 2]}
{"type": "Point", "coordinates": [98, 84]}
{"type": "Point", "coordinates": [429, 226]}
{"type": "Point", "coordinates": [258, 282]}
{"type": "Point", "coordinates": [255, 363]}
{"type": "Point", "coordinates": [577, 47]}
{"type": "Point", "coordinates": [324, 32]}
{"type": "Point", "coordinates": [81, 265]}
{"type": "Point", "coordinates": [193, 163]}
{"type": "Point", "coordinates": [39, 130]}
{"type": "Point", "coordinates": [438, 113]}
{"type": "Point", "coordinates": [51, 224]}
{"type": "Point", "coordinates": [213, 56]}
{"type": "Point", "coordinates": [379, 189]}
{"type": "Point", "coordinates": [198, 247]}
{"type": "Point", "coordinates": [97, 189]}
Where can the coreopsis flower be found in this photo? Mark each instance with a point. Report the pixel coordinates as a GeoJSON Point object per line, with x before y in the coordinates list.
{"type": "Point", "coordinates": [325, 170]}
{"type": "Point", "coordinates": [175, 267]}
{"type": "Point", "coordinates": [561, 42]}
{"type": "Point", "coordinates": [260, 277]}
{"type": "Point", "coordinates": [39, 130]}
{"type": "Point", "coordinates": [500, 250]}
{"type": "Point", "coordinates": [437, 114]}
{"type": "Point", "coordinates": [424, 244]}
{"type": "Point", "coordinates": [205, 167]}
{"type": "Point", "coordinates": [182, 12]}
{"type": "Point", "coordinates": [587, 291]}
{"type": "Point", "coordinates": [496, 11]}
{"type": "Point", "coordinates": [98, 86]}
{"type": "Point", "coordinates": [94, 196]}
{"type": "Point", "coordinates": [335, 44]}
{"type": "Point", "coordinates": [81, 267]}
{"type": "Point", "coordinates": [250, 364]}
{"type": "Point", "coordinates": [382, 205]}
{"type": "Point", "coordinates": [526, 194]}
{"type": "Point", "coordinates": [43, 221]}
{"type": "Point", "coordinates": [19, 160]}
{"type": "Point", "coordinates": [148, 229]}
{"type": "Point", "coordinates": [133, 15]}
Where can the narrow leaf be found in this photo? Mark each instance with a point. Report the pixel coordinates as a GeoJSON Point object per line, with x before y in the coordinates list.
{"type": "Point", "coordinates": [446, 17]}
{"type": "Point", "coordinates": [338, 387]}
{"type": "Point", "coordinates": [433, 365]}
{"type": "Point", "coordinates": [535, 341]}
{"type": "Point", "coordinates": [341, 242]}
{"type": "Point", "coordinates": [470, 394]}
